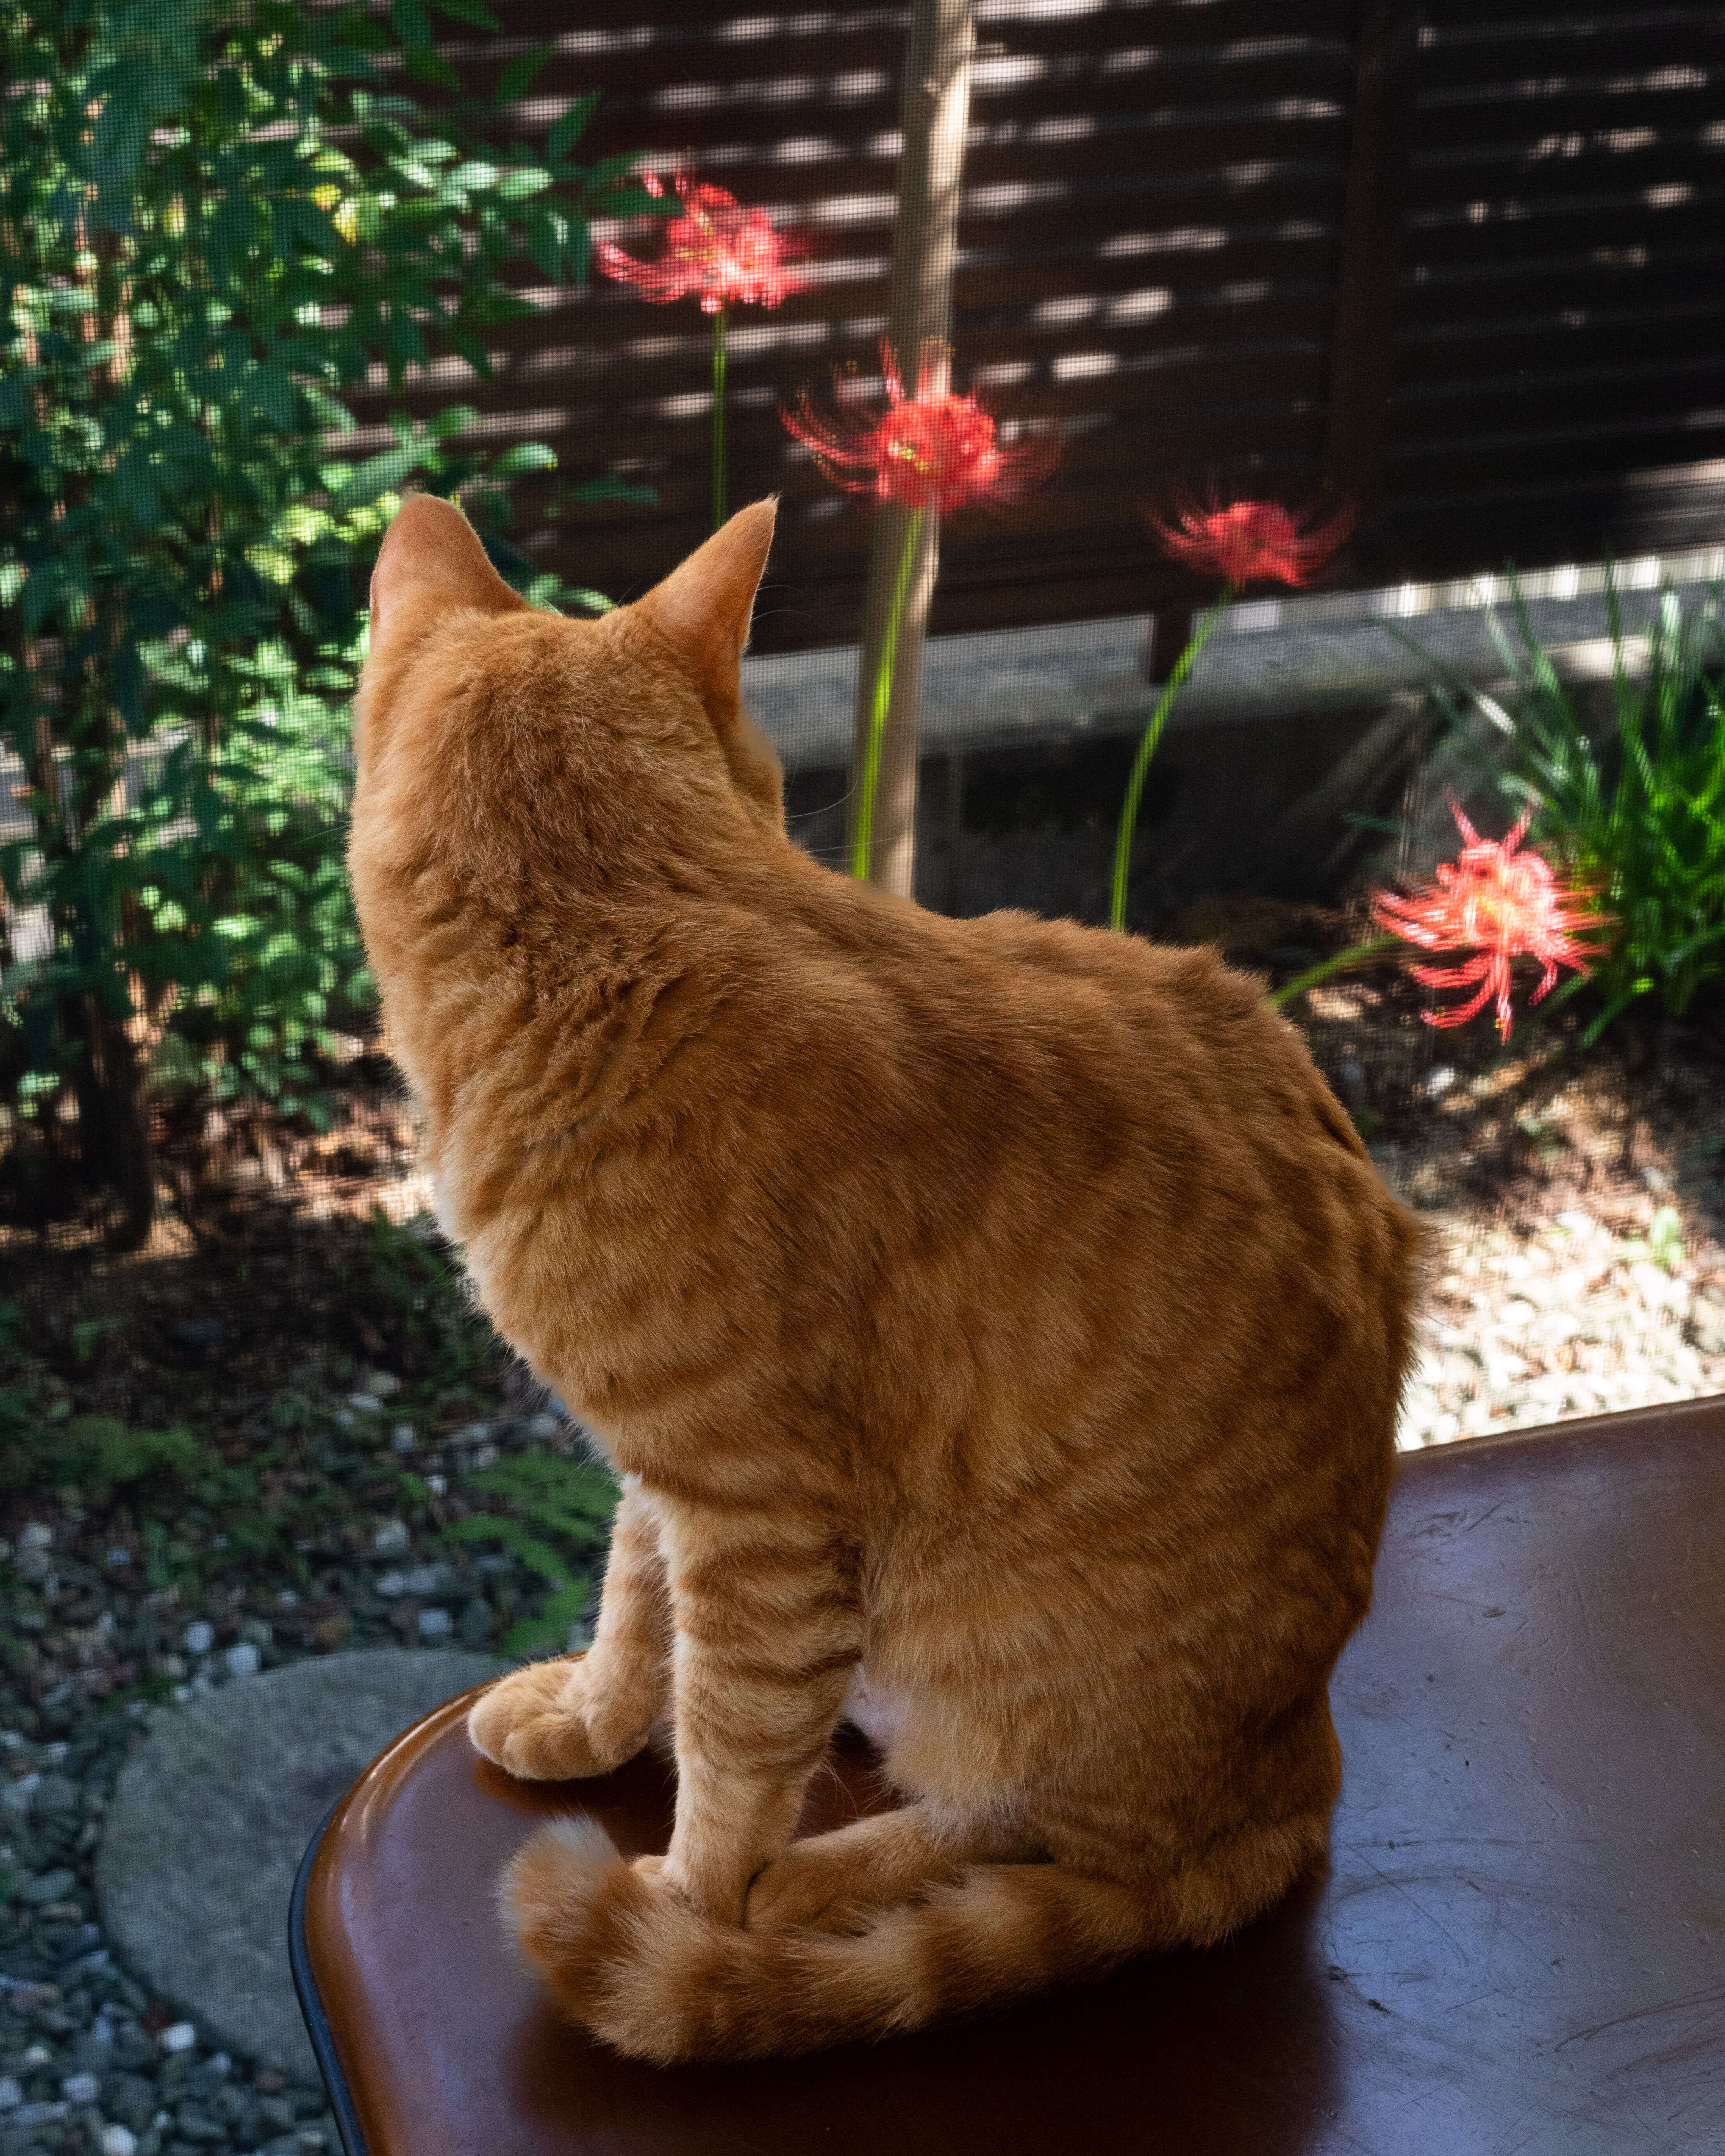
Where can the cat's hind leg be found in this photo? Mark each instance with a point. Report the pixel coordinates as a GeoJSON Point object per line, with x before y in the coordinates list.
{"type": "Point", "coordinates": [831, 1882]}
{"type": "Point", "coordinates": [585, 1714]}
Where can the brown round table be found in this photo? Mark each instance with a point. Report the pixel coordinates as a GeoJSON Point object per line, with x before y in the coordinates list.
{"type": "Point", "coordinates": [1518, 1945]}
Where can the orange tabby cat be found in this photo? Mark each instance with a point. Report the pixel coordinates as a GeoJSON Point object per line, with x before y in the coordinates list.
{"type": "Point", "coordinates": [997, 1326]}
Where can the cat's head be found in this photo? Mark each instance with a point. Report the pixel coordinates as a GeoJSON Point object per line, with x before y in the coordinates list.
{"type": "Point", "coordinates": [489, 728]}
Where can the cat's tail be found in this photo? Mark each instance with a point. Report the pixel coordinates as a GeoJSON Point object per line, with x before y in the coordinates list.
{"type": "Point", "coordinates": [629, 1960]}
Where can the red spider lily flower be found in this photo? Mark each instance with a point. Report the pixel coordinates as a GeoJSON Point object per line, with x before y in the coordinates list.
{"type": "Point", "coordinates": [1247, 541]}
{"type": "Point", "coordinates": [1503, 906]}
{"type": "Point", "coordinates": [716, 250]}
{"type": "Point", "coordinates": [933, 450]}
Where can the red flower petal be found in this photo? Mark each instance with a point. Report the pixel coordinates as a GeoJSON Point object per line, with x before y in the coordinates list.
{"type": "Point", "coordinates": [716, 251]}
{"type": "Point", "coordinates": [932, 450]}
{"type": "Point", "coordinates": [1501, 904]}
{"type": "Point", "coordinates": [1248, 541]}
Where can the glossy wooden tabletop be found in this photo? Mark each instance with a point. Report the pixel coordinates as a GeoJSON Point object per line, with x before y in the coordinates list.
{"type": "Point", "coordinates": [1519, 1945]}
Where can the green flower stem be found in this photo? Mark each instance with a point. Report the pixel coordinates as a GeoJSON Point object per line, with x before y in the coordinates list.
{"type": "Point", "coordinates": [883, 700]}
{"type": "Point", "coordinates": [1146, 749]}
{"type": "Point", "coordinates": [1356, 954]}
{"type": "Point", "coordinates": [718, 419]}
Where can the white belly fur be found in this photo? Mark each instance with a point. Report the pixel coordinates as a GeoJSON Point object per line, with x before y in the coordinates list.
{"type": "Point", "coordinates": [878, 1713]}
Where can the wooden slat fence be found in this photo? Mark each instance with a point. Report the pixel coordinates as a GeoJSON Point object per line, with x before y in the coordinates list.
{"type": "Point", "coordinates": [1463, 261]}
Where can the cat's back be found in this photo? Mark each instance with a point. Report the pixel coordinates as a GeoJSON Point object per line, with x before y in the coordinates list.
{"type": "Point", "coordinates": [1019, 1119]}
{"type": "Point", "coordinates": [1080, 1048]}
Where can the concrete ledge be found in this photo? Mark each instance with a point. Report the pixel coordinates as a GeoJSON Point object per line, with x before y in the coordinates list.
{"type": "Point", "coordinates": [1015, 688]}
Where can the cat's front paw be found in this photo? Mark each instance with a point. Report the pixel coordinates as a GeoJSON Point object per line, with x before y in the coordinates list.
{"type": "Point", "coordinates": [553, 1722]}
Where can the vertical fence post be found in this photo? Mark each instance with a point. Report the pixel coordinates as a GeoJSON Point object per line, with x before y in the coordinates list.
{"type": "Point", "coordinates": [936, 112]}
{"type": "Point", "coordinates": [1362, 351]}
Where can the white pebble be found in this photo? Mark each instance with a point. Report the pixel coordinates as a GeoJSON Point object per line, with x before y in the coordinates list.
{"type": "Point", "coordinates": [401, 1437]}
{"type": "Point", "coordinates": [119, 2141]}
{"type": "Point", "coordinates": [199, 1638]}
{"type": "Point", "coordinates": [544, 1426]}
{"type": "Point", "coordinates": [436, 1624]}
{"type": "Point", "coordinates": [117, 1557]}
{"type": "Point", "coordinates": [437, 1485]}
{"type": "Point", "coordinates": [180, 2037]}
{"type": "Point", "coordinates": [242, 1661]}
{"type": "Point", "coordinates": [35, 1536]}
{"type": "Point", "coordinates": [80, 2088]}
{"type": "Point", "coordinates": [392, 1538]}
{"type": "Point", "coordinates": [11, 2095]}
{"type": "Point", "coordinates": [391, 1584]}
{"type": "Point", "coordinates": [365, 1403]}
{"type": "Point", "coordinates": [383, 1384]}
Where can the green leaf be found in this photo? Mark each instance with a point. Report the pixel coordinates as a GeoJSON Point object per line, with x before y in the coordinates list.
{"type": "Point", "coordinates": [524, 457]}
{"type": "Point", "coordinates": [568, 129]}
{"type": "Point", "coordinates": [427, 66]}
{"type": "Point", "coordinates": [518, 77]}
{"type": "Point", "coordinates": [412, 24]}
{"type": "Point", "coordinates": [380, 475]}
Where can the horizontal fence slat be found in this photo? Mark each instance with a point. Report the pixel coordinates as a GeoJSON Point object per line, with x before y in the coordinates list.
{"type": "Point", "coordinates": [1534, 346]}
{"type": "Point", "coordinates": [1568, 231]}
{"type": "Point", "coordinates": [1616, 284]}
{"type": "Point", "coordinates": [1150, 238]}
{"type": "Point", "coordinates": [1535, 114]}
{"type": "Point", "coordinates": [1657, 385]}
{"type": "Point", "coordinates": [1582, 450]}
{"type": "Point", "coordinates": [1620, 51]}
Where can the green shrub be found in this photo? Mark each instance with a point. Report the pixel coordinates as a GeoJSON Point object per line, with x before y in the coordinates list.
{"type": "Point", "coordinates": [99, 1455]}
{"type": "Point", "coordinates": [216, 223]}
{"type": "Point", "coordinates": [548, 1497]}
{"type": "Point", "coordinates": [1636, 810]}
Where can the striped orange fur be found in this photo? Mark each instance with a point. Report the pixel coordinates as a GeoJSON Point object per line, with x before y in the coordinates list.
{"type": "Point", "coordinates": [996, 1324]}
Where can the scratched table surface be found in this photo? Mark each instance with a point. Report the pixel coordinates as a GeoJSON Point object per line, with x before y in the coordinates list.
{"type": "Point", "coordinates": [1518, 1945]}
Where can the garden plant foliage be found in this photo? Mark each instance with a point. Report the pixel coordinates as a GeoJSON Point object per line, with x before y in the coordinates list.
{"type": "Point", "coordinates": [1633, 811]}
{"type": "Point", "coordinates": [217, 222]}
{"type": "Point", "coordinates": [555, 1508]}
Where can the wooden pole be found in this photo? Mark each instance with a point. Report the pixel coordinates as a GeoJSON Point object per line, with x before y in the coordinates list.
{"type": "Point", "coordinates": [936, 112]}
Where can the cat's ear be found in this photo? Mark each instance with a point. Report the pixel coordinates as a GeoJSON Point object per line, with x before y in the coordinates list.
{"type": "Point", "coordinates": [703, 606]}
{"type": "Point", "coordinates": [431, 556]}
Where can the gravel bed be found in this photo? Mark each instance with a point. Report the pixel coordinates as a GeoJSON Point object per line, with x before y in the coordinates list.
{"type": "Point", "coordinates": [1530, 1323]}
{"type": "Point", "coordinates": [88, 2061]}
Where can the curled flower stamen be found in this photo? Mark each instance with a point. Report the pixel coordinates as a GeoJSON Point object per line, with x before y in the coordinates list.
{"type": "Point", "coordinates": [716, 251]}
{"type": "Point", "coordinates": [1501, 905]}
{"type": "Point", "coordinates": [933, 450]}
{"type": "Point", "coordinates": [1247, 542]}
